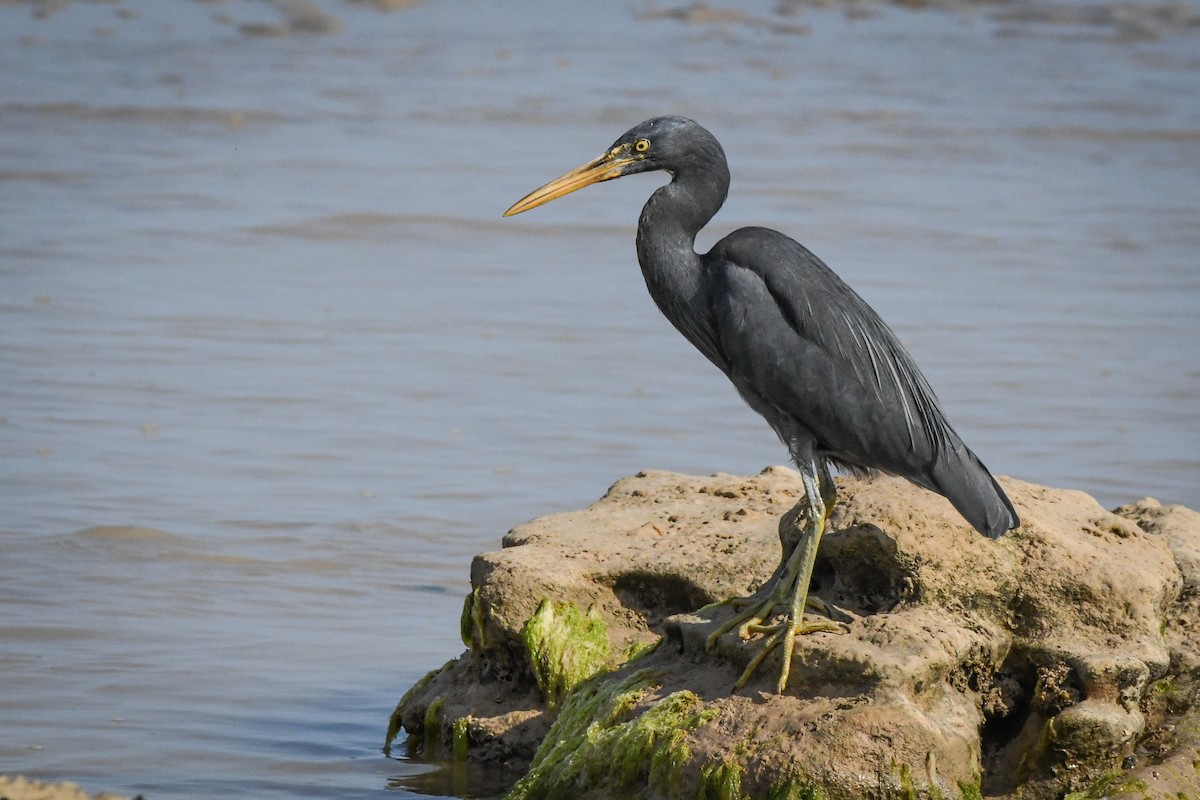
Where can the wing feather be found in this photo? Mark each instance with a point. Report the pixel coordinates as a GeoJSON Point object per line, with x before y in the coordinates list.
{"type": "Point", "coordinates": [827, 333]}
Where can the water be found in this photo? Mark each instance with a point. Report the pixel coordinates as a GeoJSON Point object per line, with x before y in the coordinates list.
{"type": "Point", "coordinates": [272, 368]}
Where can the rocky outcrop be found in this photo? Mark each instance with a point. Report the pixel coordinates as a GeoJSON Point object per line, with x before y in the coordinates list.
{"type": "Point", "coordinates": [18, 787]}
{"type": "Point", "coordinates": [1062, 658]}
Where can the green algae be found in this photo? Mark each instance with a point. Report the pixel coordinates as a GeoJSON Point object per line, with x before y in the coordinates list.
{"type": "Point", "coordinates": [971, 791]}
{"type": "Point", "coordinates": [908, 790]}
{"type": "Point", "coordinates": [797, 789]}
{"type": "Point", "coordinates": [721, 780]}
{"type": "Point", "coordinates": [639, 649]}
{"type": "Point", "coordinates": [565, 647]}
{"type": "Point", "coordinates": [599, 743]}
{"type": "Point", "coordinates": [433, 717]}
{"type": "Point", "coordinates": [1114, 782]}
{"type": "Point", "coordinates": [461, 741]}
{"type": "Point", "coordinates": [396, 721]}
{"type": "Point", "coordinates": [471, 623]}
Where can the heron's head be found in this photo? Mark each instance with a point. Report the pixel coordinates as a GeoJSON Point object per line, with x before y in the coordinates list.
{"type": "Point", "coordinates": [662, 143]}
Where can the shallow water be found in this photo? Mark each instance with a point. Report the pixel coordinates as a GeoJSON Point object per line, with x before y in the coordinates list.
{"type": "Point", "coordinates": [273, 368]}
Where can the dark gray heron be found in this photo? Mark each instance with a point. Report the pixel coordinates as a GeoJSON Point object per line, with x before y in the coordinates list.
{"type": "Point", "coordinates": [801, 348]}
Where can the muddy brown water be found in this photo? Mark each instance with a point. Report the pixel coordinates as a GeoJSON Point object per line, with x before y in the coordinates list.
{"type": "Point", "coordinates": [272, 368]}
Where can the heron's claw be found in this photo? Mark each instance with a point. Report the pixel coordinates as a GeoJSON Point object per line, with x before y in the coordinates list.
{"type": "Point", "coordinates": [783, 632]}
{"type": "Point", "coordinates": [814, 603]}
{"type": "Point", "coordinates": [820, 626]}
{"type": "Point", "coordinates": [789, 590]}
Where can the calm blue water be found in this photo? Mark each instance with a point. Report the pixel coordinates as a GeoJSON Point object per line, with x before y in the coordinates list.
{"type": "Point", "coordinates": [272, 368]}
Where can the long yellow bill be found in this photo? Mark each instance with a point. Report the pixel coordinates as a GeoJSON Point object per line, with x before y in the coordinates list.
{"type": "Point", "coordinates": [605, 168]}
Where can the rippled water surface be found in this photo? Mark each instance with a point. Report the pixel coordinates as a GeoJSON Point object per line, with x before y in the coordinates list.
{"type": "Point", "coordinates": [272, 368]}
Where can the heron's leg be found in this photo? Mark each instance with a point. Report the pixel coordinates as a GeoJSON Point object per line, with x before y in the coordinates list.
{"type": "Point", "coordinates": [760, 606]}
{"type": "Point", "coordinates": [827, 486]}
{"type": "Point", "coordinates": [812, 604]}
{"type": "Point", "coordinates": [798, 577]}
{"type": "Point", "coordinates": [828, 493]}
{"type": "Point", "coordinates": [789, 587]}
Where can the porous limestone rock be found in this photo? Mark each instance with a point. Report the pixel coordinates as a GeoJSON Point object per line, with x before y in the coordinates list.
{"type": "Point", "coordinates": [1062, 658]}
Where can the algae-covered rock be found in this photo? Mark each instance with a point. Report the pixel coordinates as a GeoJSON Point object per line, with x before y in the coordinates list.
{"type": "Point", "coordinates": [1061, 660]}
{"type": "Point", "coordinates": [566, 647]}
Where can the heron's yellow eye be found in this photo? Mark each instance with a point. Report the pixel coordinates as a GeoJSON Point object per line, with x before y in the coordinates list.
{"type": "Point", "coordinates": [641, 145]}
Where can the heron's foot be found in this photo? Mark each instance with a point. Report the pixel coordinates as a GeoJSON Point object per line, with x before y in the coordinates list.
{"type": "Point", "coordinates": [756, 620]}
{"type": "Point", "coordinates": [784, 633]}
{"type": "Point", "coordinates": [756, 611]}
{"type": "Point", "coordinates": [756, 601]}
{"type": "Point", "coordinates": [787, 592]}
{"type": "Point", "coordinates": [810, 626]}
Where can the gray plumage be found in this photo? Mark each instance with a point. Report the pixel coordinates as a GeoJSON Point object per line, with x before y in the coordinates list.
{"type": "Point", "coordinates": [801, 347]}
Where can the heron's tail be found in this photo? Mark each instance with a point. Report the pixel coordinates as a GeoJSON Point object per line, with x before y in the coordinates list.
{"type": "Point", "coordinates": [963, 479]}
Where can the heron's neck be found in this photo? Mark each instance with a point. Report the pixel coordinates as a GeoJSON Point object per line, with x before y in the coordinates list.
{"type": "Point", "coordinates": [668, 226]}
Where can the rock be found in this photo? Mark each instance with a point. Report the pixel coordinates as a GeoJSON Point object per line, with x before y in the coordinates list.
{"type": "Point", "coordinates": [18, 787]}
{"type": "Point", "coordinates": [1062, 658]}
